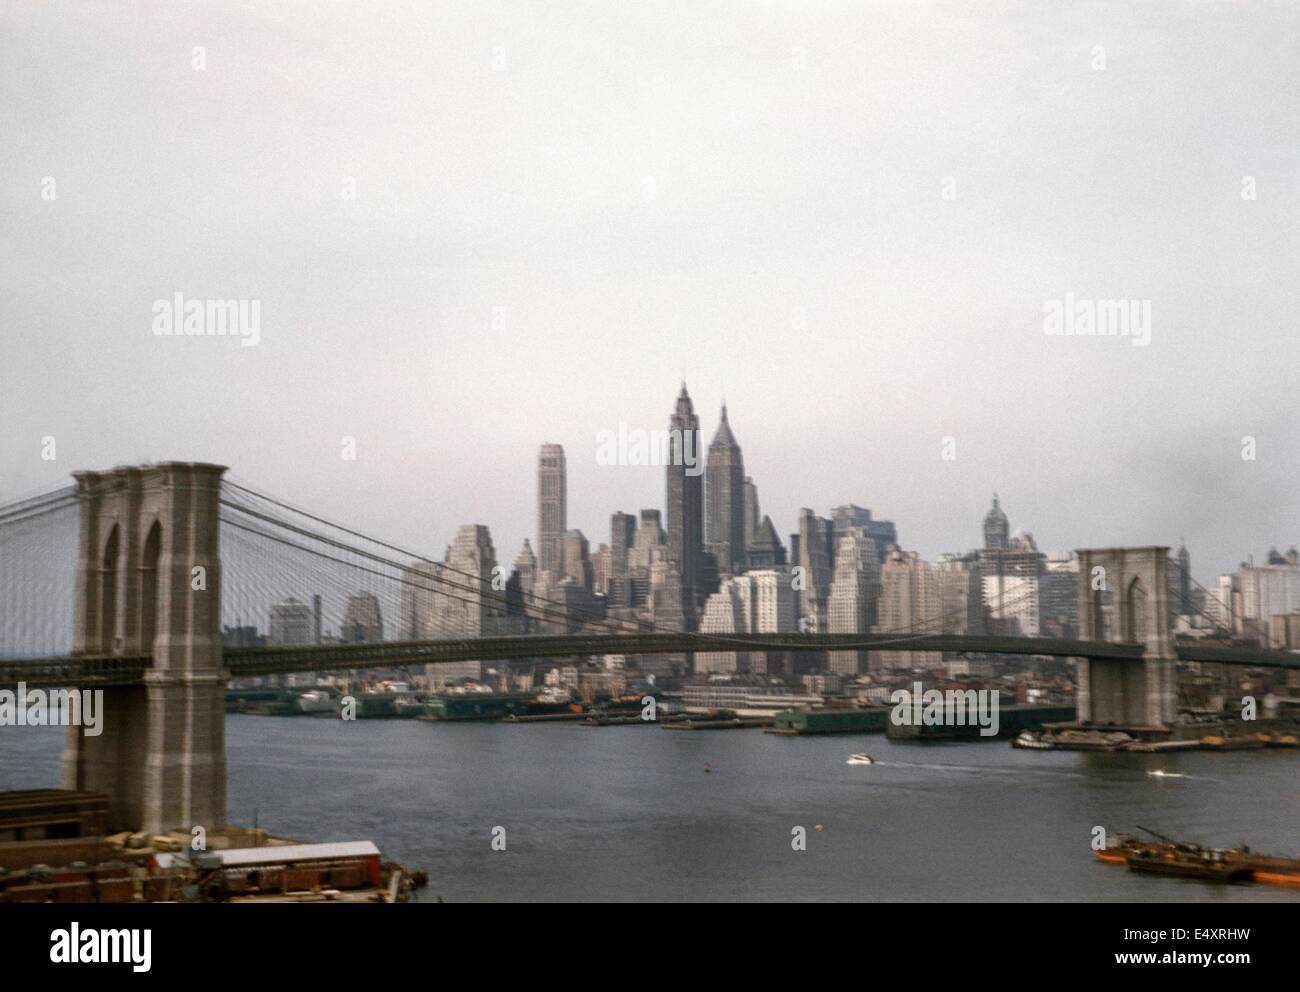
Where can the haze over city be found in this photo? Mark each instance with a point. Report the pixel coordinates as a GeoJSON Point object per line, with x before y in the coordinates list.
{"type": "Point", "coordinates": [753, 205]}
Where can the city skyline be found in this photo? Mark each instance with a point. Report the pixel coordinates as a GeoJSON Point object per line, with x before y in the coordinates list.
{"type": "Point", "coordinates": [597, 531]}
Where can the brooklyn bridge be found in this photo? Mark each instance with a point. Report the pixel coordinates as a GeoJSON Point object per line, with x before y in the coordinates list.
{"type": "Point", "coordinates": [121, 582]}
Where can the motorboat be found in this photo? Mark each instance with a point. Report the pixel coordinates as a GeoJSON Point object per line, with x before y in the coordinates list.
{"type": "Point", "coordinates": [316, 701]}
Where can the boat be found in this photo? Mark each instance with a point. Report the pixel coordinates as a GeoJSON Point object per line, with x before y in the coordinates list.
{"type": "Point", "coordinates": [1117, 848]}
{"type": "Point", "coordinates": [860, 759]}
{"type": "Point", "coordinates": [409, 707]}
{"type": "Point", "coordinates": [1217, 743]}
{"type": "Point", "coordinates": [1161, 773]}
{"type": "Point", "coordinates": [1206, 865]}
{"type": "Point", "coordinates": [1032, 741]}
{"type": "Point", "coordinates": [1166, 856]}
{"type": "Point", "coordinates": [316, 701]}
{"type": "Point", "coordinates": [1073, 739]}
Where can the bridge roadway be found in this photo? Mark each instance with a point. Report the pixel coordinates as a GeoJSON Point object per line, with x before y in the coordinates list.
{"type": "Point", "coordinates": [98, 671]}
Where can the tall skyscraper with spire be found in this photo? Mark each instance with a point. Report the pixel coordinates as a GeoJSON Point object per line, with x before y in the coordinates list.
{"type": "Point", "coordinates": [996, 527]}
{"type": "Point", "coordinates": [552, 506]}
{"type": "Point", "coordinates": [724, 499]}
{"type": "Point", "coordinates": [685, 500]}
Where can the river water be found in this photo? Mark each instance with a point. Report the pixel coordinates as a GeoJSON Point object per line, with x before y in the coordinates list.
{"type": "Point", "coordinates": [630, 813]}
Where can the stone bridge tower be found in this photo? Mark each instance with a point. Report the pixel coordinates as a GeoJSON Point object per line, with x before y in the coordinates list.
{"type": "Point", "coordinates": [149, 583]}
{"type": "Point", "coordinates": [1124, 597]}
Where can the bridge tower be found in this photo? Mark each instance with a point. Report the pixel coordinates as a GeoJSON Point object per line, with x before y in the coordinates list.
{"type": "Point", "coordinates": [1124, 597]}
{"type": "Point", "coordinates": [149, 583]}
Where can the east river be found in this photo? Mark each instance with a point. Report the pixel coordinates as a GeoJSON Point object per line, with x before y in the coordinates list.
{"type": "Point", "coordinates": [642, 813]}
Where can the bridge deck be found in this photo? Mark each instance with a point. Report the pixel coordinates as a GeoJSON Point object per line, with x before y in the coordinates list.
{"type": "Point", "coordinates": [92, 671]}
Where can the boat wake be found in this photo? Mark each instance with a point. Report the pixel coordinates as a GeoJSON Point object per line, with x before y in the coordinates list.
{"type": "Point", "coordinates": [982, 769]}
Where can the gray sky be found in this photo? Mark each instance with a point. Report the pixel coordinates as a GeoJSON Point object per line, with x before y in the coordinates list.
{"type": "Point", "coordinates": [562, 211]}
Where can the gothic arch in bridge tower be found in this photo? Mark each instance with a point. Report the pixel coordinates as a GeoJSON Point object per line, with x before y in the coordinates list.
{"type": "Point", "coordinates": [149, 587]}
{"type": "Point", "coordinates": [1124, 596]}
{"type": "Point", "coordinates": [1135, 612]}
{"type": "Point", "coordinates": [161, 756]}
{"type": "Point", "coordinates": [1102, 613]}
{"type": "Point", "coordinates": [106, 625]}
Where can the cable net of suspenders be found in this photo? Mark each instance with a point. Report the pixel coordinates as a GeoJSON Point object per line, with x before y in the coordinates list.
{"type": "Point", "coordinates": [38, 568]}
{"type": "Point", "coordinates": [277, 555]}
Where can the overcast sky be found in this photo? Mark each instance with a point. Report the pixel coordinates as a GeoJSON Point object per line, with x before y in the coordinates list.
{"type": "Point", "coordinates": [563, 210]}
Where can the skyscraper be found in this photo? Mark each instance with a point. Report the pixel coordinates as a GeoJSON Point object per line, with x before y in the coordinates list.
{"type": "Point", "coordinates": [668, 612]}
{"type": "Point", "coordinates": [724, 613]}
{"type": "Point", "coordinates": [1058, 601]}
{"type": "Point", "coordinates": [816, 558]}
{"type": "Point", "coordinates": [575, 555]}
{"type": "Point", "coordinates": [471, 560]}
{"type": "Point", "coordinates": [851, 606]}
{"type": "Point", "coordinates": [883, 533]}
{"type": "Point", "coordinates": [292, 623]}
{"type": "Point", "coordinates": [685, 500]}
{"type": "Point", "coordinates": [910, 601]}
{"type": "Point", "coordinates": [724, 498]}
{"type": "Point", "coordinates": [996, 527]}
{"type": "Point", "coordinates": [622, 537]}
{"type": "Point", "coordinates": [552, 508]}
{"type": "Point", "coordinates": [600, 571]}
{"type": "Point", "coordinates": [770, 606]}
{"type": "Point", "coordinates": [1010, 569]}
{"type": "Point", "coordinates": [959, 594]}
{"type": "Point", "coordinates": [649, 546]}
{"type": "Point", "coordinates": [362, 619]}
{"type": "Point", "coordinates": [526, 569]}
{"type": "Point", "coordinates": [415, 618]}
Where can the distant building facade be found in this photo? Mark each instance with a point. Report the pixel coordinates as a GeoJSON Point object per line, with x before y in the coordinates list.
{"type": "Point", "coordinates": [851, 605]}
{"type": "Point", "coordinates": [363, 622]}
{"type": "Point", "coordinates": [476, 609]}
{"type": "Point", "coordinates": [622, 539]}
{"type": "Point", "coordinates": [910, 602]}
{"type": "Point", "coordinates": [292, 624]}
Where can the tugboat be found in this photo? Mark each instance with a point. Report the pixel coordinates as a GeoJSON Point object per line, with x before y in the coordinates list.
{"type": "Point", "coordinates": [1031, 741]}
{"type": "Point", "coordinates": [316, 701]}
{"type": "Point", "coordinates": [1116, 849]}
